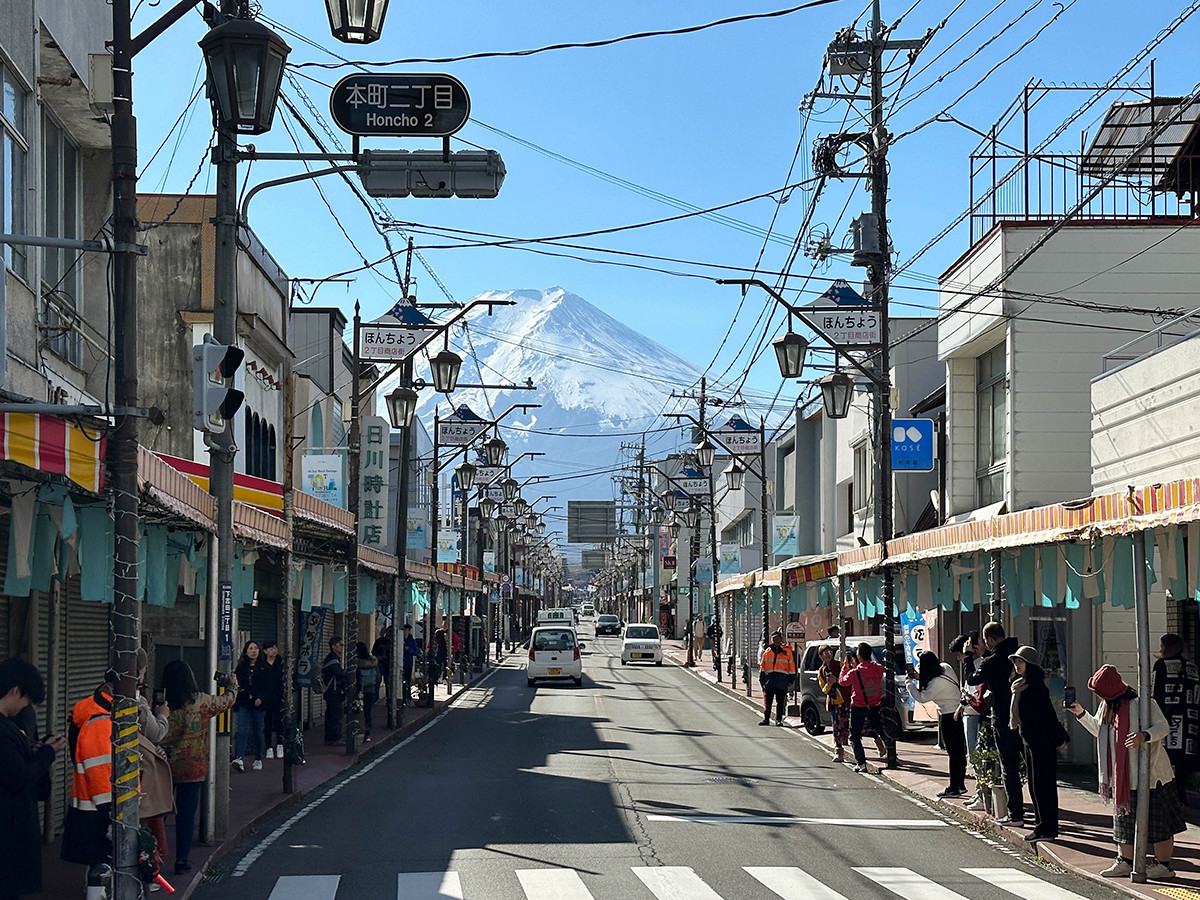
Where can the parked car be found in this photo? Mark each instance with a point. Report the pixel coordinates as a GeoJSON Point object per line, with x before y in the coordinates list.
{"type": "Point", "coordinates": [641, 643]}
{"type": "Point", "coordinates": [813, 714]}
{"type": "Point", "coordinates": [554, 652]}
{"type": "Point", "coordinates": [608, 624]}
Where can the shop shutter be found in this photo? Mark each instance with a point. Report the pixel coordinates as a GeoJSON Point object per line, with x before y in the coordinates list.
{"type": "Point", "coordinates": [5, 604]}
{"type": "Point", "coordinates": [258, 623]}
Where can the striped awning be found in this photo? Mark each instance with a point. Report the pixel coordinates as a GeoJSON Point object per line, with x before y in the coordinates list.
{"type": "Point", "coordinates": [54, 445]}
{"type": "Point", "coordinates": [733, 583]}
{"type": "Point", "coordinates": [174, 491]}
{"type": "Point", "coordinates": [805, 569]}
{"type": "Point", "coordinates": [377, 560]}
{"type": "Point", "coordinates": [246, 488]}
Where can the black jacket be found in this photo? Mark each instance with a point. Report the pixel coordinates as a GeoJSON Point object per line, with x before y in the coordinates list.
{"type": "Point", "coordinates": [274, 677]}
{"type": "Point", "coordinates": [994, 670]}
{"type": "Point", "coordinates": [333, 673]}
{"type": "Point", "coordinates": [1039, 724]}
{"type": "Point", "coordinates": [254, 683]}
{"type": "Point", "coordinates": [23, 768]}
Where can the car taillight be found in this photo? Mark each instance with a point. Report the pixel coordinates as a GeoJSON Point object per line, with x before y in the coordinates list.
{"type": "Point", "coordinates": [577, 653]}
{"type": "Point", "coordinates": [531, 655]}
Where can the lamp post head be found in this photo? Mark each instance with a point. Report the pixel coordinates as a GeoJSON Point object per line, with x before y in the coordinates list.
{"type": "Point", "coordinates": [520, 505]}
{"type": "Point", "coordinates": [510, 487]}
{"type": "Point", "coordinates": [487, 507]}
{"type": "Point", "coordinates": [445, 368]}
{"type": "Point", "coordinates": [466, 476]}
{"type": "Point", "coordinates": [401, 406]}
{"type": "Point", "coordinates": [706, 451]}
{"type": "Point", "coordinates": [356, 21]}
{"type": "Point", "coordinates": [735, 476]}
{"type": "Point", "coordinates": [245, 62]}
{"type": "Point", "coordinates": [494, 449]}
{"type": "Point", "coordinates": [837, 390]}
{"type": "Point", "coordinates": [790, 350]}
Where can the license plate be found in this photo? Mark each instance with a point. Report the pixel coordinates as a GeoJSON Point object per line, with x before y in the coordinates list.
{"type": "Point", "coordinates": [554, 671]}
{"type": "Point", "coordinates": [636, 655]}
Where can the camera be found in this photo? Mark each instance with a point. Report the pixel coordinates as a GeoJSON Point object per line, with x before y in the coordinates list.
{"type": "Point", "coordinates": [222, 679]}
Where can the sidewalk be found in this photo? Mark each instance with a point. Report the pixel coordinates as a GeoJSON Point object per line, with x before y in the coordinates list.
{"type": "Point", "coordinates": [254, 797]}
{"type": "Point", "coordinates": [1085, 843]}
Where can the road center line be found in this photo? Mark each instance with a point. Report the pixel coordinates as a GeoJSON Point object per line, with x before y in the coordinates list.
{"type": "Point", "coordinates": [798, 820]}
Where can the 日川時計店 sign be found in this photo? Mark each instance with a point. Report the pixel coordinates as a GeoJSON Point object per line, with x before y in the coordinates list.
{"type": "Point", "coordinates": [398, 105]}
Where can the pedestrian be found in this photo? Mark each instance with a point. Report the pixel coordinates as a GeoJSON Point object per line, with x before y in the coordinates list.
{"type": "Point", "coordinates": [933, 681]}
{"type": "Point", "coordinates": [411, 651]}
{"type": "Point", "coordinates": [837, 699]}
{"type": "Point", "coordinates": [273, 703]}
{"type": "Point", "coordinates": [368, 680]}
{"type": "Point", "coordinates": [440, 653]}
{"type": "Point", "coordinates": [186, 744]}
{"type": "Point", "coordinates": [253, 694]}
{"type": "Point", "coordinates": [1176, 689]}
{"type": "Point", "coordinates": [776, 672]}
{"type": "Point", "coordinates": [994, 671]}
{"type": "Point", "coordinates": [157, 791]}
{"type": "Point", "coordinates": [864, 677]}
{"type": "Point", "coordinates": [1118, 727]}
{"type": "Point", "coordinates": [714, 632]}
{"type": "Point", "coordinates": [834, 633]}
{"type": "Point", "coordinates": [697, 638]}
{"type": "Point", "coordinates": [382, 651]}
{"type": "Point", "coordinates": [85, 827]}
{"type": "Point", "coordinates": [24, 780]}
{"type": "Point", "coordinates": [1032, 714]}
{"type": "Point", "coordinates": [971, 705]}
{"type": "Point", "coordinates": [334, 676]}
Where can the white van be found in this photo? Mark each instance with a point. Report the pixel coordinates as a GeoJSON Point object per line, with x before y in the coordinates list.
{"type": "Point", "coordinates": [563, 616]}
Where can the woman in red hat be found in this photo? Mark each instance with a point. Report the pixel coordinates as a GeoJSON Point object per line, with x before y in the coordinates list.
{"type": "Point", "coordinates": [1118, 728]}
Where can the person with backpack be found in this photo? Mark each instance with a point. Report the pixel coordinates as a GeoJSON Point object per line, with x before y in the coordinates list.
{"type": "Point", "coordinates": [776, 672]}
{"type": "Point", "coordinates": [864, 677]}
{"type": "Point", "coordinates": [933, 682]}
{"type": "Point", "coordinates": [368, 678]}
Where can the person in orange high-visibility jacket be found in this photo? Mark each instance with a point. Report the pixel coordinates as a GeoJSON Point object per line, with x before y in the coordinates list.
{"type": "Point", "coordinates": [85, 833]}
{"type": "Point", "coordinates": [776, 672]}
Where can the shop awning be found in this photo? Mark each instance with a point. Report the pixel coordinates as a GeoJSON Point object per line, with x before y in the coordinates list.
{"type": "Point", "coordinates": [733, 583]}
{"type": "Point", "coordinates": [250, 523]}
{"type": "Point", "coordinates": [175, 492]}
{"type": "Point", "coordinates": [246, 488]}
{"type": "Point", "coordinates": [804, 569]}
{"type": "Point", "coordinates": [54, 445]}
{"type": "Point", "coordinates": [313, 509]}
{"type": "Point", "coordinates": [377, 560]}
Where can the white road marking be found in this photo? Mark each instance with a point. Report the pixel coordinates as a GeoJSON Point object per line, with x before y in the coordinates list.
{"type": "Point", "coordinates": [305, 887]}
{"type": "Point", "coordinates": [907, 883]}
{"type": "Point", "coordinates": [792, 883]}
{"type": "Point", "coordinates": [553, 884]}
{"type": "Point", "coordinates": [675, 883]}
{"type": "Point", "coordinates": [428, 886]}
{"type": "Point", "coordinates": [800, 820]}
{"type": "Point", "coordinates": [1023, 884]}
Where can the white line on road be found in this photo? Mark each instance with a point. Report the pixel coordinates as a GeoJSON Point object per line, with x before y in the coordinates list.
{"type": "Point", "coordinates": [908, 884]}
{"type": "Point", "coordinates": [800, 820]}
{"type": "Point", "coordinates": [305, 887]}
{"type": "Point", "coordinates": [675, 883]}
{"type": "Point", "coordinates": [552, 884]}
{"type": "Point", "coordinates": [1023, 884]}
{"type": "Point", "coordinates": [792, 883]}
{"type": "Point", "coordinates": [428, 886]}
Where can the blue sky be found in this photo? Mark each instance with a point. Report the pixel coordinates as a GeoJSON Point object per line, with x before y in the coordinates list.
{"type": "Point", "coordinates": [706, 119]}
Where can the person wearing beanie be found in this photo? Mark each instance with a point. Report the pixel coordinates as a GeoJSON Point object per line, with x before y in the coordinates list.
{"type": "Point", "coordinates": [1118, 728]}
{"type": "Point", "coordinates": [1032, 715]}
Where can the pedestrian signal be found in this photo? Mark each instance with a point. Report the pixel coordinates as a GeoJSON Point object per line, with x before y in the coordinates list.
{"type": "Point", "coordinates": [214, 399]}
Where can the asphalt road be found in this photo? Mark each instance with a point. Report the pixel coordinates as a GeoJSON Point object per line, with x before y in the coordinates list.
{"type": "Point", "coordinates": [643, 783]}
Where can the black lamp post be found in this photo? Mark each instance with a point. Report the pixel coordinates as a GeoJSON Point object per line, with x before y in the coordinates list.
{"type": "Point", "coordinates": [790, 349]}
{"type": "Point", "coordinates": [735, 476]}
{"type": "Point", "coordinates": [466, 477]}
{"type": "Point", "coordinates": [445, 368]}
{"type": "Point", "coordinates": [706, 452]}
{"type": "Point", "coordinates": [510, 486]}
{"type": "Point", "coordinates": [356, 21]}
{"type": "Point", "coordinates": [401, 406]}
{"type": "Point", "coordinates": [487, 507]}
{"type": "Point", "coordinates": [494, 449]}
{"type": "Point", "coordinates": [245, 70]}
{"type": "Point", "coordinates": [837, 390]}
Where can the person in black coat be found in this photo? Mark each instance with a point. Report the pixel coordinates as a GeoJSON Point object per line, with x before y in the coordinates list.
{"type": "Point", "coordinates": [995, 670]}
{"type": "Point", "coordinates": [24, 780]}
{"type": "Point", "coordinates": [333, 673]}
{"type": "Point", "coordinates": [1032, 714]}
{"type": "Point", "coordinates": [273, 702]}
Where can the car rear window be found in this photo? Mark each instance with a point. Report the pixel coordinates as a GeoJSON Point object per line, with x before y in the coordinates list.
{"type": "Point", "coordinates": [608, 619]}
{"type": "Point", "coordinates": [642, 632]}
{"type": "Point", "coordinates": [553, 639]}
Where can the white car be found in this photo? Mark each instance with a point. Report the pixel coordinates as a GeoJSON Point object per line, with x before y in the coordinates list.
{"type": "Point", "coordinates": [554, 653]}
{"type": "Point", "coordinates": [641, 643]}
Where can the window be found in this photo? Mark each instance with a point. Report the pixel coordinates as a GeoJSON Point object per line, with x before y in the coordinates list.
{"type": "Point", "coordinates": [60, 269]}
{"type": "Point", "coordinates": [860, 487]}
{"type": "Point", "coordinates": [991, 425]}
{"type": "Point", "coordinates": [339, 425]}
{"type": "Point", "coordinates": [14, 150]}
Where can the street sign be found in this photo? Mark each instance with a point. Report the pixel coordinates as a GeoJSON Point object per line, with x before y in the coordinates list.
{"type": "Point", "coordinates": [485, 475]}
{"type": "Point", "coordinates": [739, 437]}
{"type": "Point", "coordinates": [400, 105]}
{"type": "Point", "coordinates": [461, 428]}
{"type": "Point", "coordinates": [668, 562]}
{"type": "Point", "coordinates": [793, 632]}
{"type": "Point", "coordinates": [845, 316]}
{"type": "Point", "coordinates": [391, 343]}
{"type": "Point", "coordinates": [913, 445]}
{"type": "Point", "coordinates": [694, 485]}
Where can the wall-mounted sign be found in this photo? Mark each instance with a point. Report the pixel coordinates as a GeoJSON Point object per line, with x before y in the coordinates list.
{"type": "Point", "coordinates": [373, 515]}
{"type": "Point", "coordinates": [400, 105]}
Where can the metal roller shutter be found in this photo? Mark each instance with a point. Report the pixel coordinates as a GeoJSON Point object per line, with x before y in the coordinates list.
{"type": "Point", "coordinates": [5, 605]}
{"type": "Point", "coordinates": [85, 628]}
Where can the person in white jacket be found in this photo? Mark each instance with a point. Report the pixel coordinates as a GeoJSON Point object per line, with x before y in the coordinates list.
{"type": "Point", "coordinates": [1118, 728]}
{"type": "Point", "coordinates": [933, 681]}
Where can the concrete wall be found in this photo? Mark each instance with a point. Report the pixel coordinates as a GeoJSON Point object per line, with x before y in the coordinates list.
{"type": "Point", "coordinates": [79, 27]}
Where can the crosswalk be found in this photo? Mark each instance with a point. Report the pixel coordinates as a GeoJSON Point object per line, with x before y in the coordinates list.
{"type": "Point", "coordinates": [684, 883]}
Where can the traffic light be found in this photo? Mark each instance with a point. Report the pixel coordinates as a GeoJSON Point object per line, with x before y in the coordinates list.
{"type": "Point", "coordinates": [214, 399]}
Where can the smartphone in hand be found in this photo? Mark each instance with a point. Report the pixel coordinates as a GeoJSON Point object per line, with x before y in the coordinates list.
{"type": "Point", "coordinates": [1069, 695]}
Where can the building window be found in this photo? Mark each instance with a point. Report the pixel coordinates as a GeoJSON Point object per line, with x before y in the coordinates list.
{"type": "Point", "coordinates": [339, 426]}
{"type": "Point", "coordinates": [860, 487]}
{"type": "Point", "coordinates": [14, 151]}
{"type": "Point", "coordinates": [991, 425]}
{"type": "Point", "coordinates": [60, 268]}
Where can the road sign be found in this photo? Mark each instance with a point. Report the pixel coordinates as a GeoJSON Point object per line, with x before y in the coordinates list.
{"type": "Point", "coordinates": [739, 437]}
{"type": "Point", "coordinates": [485, 475]}
{"type": "Point", "coordinates": [400, 105]}
{"type": "Point", "coordinates": [845, 316]}
{"type": "Point", "coordinates": [391, 343]}
{"type": "Point", "coordinates": [793, 632]}
{"type": "Point", "coordinates": [461, 428]}
{"type": "Point", "coordinates": [913, 445]}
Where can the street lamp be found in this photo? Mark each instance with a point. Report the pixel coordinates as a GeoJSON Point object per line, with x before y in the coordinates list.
{"type": "Point", "coordinates": [837, 390]}
{"type": "Point", "coordinates": [356, 21]}
{"type": "Point", "coordinates": [466, 476]}
{"type": "Point", "coordinates": [735, 476]}
{"type": "Point", "coordinates": [487, 507]}
{"type": "Point", "coordinates": [494, 450]}
{"type": "Point", "coordinates": [245, 70]}
{"type": "Point", "coordinates": [790, 349]}
{"type": "Point", "coordinates": [401, 406]}
{"type": "Point", "coordinates": [510, 486]}
{"type": "Point", "coordinates": [706, 452]}
{"type": "Point", "coordinates": [520, 506]}
{"type": "Point", "coordinates": [445, 368]}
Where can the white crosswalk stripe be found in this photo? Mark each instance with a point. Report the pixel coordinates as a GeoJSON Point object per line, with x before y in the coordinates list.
{"type": "Point", "coordinates": [675, 883]}
{"type": "Point", "coordinates": [305, 887]}
{"type": "Point", "coordinates": [428, 886]}
{"type": "Point", "coordinates": [552, 884]}
{"type": "Point", "coordinates": [684, 883]}
{"type": "Point", "coordinates": [907, 883]}
{"type": "Point", "coordinates": [792, 883]}
{"type": "Point", "coordinates": [1023, 884]}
